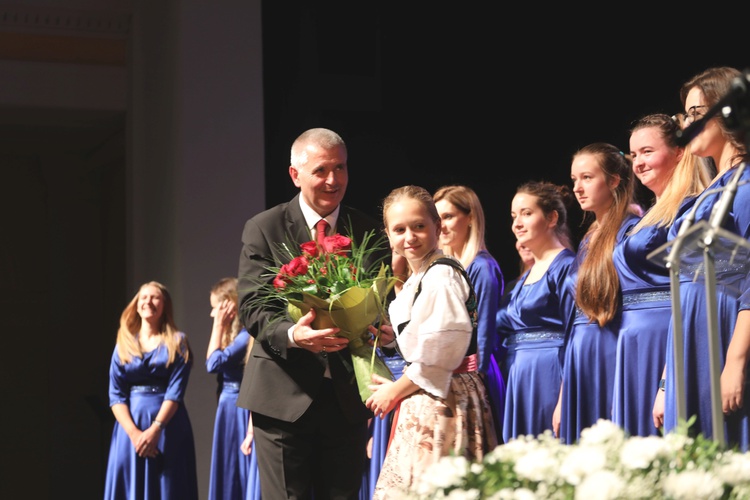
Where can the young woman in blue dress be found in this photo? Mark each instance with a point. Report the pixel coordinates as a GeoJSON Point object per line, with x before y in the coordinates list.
{"type": "Point", "coordinates": [531, 320]}
{"type": "Point", "coordinates": [152, 453]}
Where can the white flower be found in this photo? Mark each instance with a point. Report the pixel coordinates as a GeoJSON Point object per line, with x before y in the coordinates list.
{"type": "Point", "coordinates": [476, 468]}
{"type": "Point", "coordinates": [642, 486]}
{"type": "Point", "coordinates": [537, 465]}
{"type": "Point", "coordinates": [514, 449]}
{"type": "Point", "coordinates": [581, 462]}
{"type": "Point", "coordinates": [677, 441]}
{"type": "Point", "coordinates": [601, 485]}
{"type": "Point", "coordinates": [640, 452]}
{"type": "Point", "coordinates": [464, 495]}
{"type": "Point", "coordinates": [516, 494]}
{"type": "Point", "coordinates": [603, 465]}
{"type": "Point", "coordinates": [602, 432]}
{"type": "Point", "coordinates": [693, 485]}
{"type": "Point", "coordinates": [734, 469]}
{"type": "Point", "coordinates": [446, 472]}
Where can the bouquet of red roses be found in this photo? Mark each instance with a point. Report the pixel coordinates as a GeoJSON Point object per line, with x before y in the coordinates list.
{"type": "Point", "coordinates": [334, 279]}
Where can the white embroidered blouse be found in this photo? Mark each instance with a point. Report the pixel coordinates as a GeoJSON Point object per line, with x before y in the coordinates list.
{"type": "Point", "coordinates": [439, 331]}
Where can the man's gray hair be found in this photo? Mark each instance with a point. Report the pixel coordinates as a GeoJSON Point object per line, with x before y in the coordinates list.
{"type": "Point", "coordinates": [322, 137]}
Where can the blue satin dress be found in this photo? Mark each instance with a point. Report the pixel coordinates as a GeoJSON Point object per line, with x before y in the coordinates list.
{"type": "Point", "coordinates": [531, 323]}
{"type": "Point", "coordinates": [488, 283]}
{"type": "Point", "coordinates": [642, 340]}
{"type": "Point", "coordinates": [732, 296]}
{"type": "Point", "coordinates": [589, 363]}
{"type": "Point", "coordinates": [143, 385]}
{"type": "Point", "coordinates": [380, 429]}
{"type": "Point", "coordinates": [232, 474]}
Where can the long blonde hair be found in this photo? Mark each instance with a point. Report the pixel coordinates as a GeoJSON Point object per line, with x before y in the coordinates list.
{"type": "Point", "coordinates": [689, 178]}
{"type": "Point", "coordinates": [128, 346]}
{"type": "Point", "coordinates": [466, 200]}
{"type": "Point", "coordinates": [226, 289]}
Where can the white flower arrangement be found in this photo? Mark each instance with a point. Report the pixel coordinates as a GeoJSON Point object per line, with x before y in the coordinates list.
{"type": "Point", "coordinates": [604, 465]}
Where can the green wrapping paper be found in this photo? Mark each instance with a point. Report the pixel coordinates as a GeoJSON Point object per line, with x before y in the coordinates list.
{"type": "Point", "coordinates": [352, 312]}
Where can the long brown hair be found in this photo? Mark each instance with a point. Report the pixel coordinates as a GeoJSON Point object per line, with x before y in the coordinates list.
{"type": "Point", "coordinates": [714, 84]}
{"type": "Point", "coordinates": [598, 287]}
{"type": "Point", "coordinates": [552, 198]}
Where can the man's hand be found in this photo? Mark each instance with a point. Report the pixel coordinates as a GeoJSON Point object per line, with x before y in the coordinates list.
{"type": "Point", "coordinates": [317, 341]}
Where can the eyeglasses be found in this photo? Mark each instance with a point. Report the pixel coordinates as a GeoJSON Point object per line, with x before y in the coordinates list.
{"type": "Point", "coordinates": [692, 115]}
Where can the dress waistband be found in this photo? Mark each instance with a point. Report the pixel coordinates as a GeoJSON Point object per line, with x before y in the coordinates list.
{"type": "Point", "coordinates": [231, 385]}
{"type": "Point", "coordinates": [640, 298]}
{"type": "Point", "coordinates": [469, 364]}
{"type": "Point", "coordinates": [148, 388]}
{"type": "Point", "coordinates": [538, 336]}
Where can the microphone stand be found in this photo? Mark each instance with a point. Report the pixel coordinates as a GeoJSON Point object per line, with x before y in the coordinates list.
{"type": "Point", "coordinates": [727, 105]}
{"type": "Point", "coordinates": [718, 215]}
{"type": "Point", "coordinates": [672, 263]}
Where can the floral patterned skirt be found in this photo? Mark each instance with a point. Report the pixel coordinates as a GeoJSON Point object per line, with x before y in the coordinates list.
{"type": "Point", "coordinates": [429, 428]}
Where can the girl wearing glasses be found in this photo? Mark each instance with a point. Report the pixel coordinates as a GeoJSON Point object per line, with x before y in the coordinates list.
{"type": "Point", "coordinates": [725, 147]}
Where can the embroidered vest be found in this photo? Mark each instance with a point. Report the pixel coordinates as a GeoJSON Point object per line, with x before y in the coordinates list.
{"type": "Point", "coordinates": [471, 302]}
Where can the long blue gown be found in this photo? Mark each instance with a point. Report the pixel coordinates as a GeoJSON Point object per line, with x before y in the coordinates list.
{"type": "Point", "coordinates": [232, 476]}
{"type": "Point", "coordinates": [589, 363]}
{"type": "Point", "coordinates": [642, 340]}
{"type": "Point", "coordinates": [731, 297]}
{"type": "Point", "coordinates": [381, 432]}
{"type": "Point", "coordinates": [531, 324]}
{"type": "Point", "coordinates": [143, 385]}
{"type": "Point", "coordinates": [487, 280]}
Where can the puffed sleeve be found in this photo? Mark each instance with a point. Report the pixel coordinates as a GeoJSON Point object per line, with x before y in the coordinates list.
{"type": "Point", "coordinates": [564, 286]}
{"type": "Point", "coordinates": [178, 377]}
{"type": "Point", "coordinates": [232, 354]}
{"type": "Point", "coordinates": [740, 219]}
{"type": "Point", "coordinates": [119, 389]}
{"type": "Point", "coordinates": [488, 283]}
{"type": "Point", "coordinates": [438, 335]}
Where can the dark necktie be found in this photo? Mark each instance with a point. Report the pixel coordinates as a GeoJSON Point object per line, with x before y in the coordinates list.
{"type": "Point", "coordinates": [321, 227]}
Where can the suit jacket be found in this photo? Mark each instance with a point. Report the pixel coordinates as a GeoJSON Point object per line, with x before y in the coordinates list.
{"type": "Point", "coordinates": [278, 381]}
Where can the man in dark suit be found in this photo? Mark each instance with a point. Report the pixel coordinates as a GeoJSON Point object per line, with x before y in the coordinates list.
{"type": "Point", "coordinates": [309, 421]}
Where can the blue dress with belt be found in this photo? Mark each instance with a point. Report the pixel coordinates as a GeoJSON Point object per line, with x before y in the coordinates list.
{"type": "Point", "coordinates": [732, 296]}
{"type": "Point", "coordinates": [143, 384]}
{"type": "Point", "coordinates": [642, 340]}
{"type": "Point", "coordinates": [531, 323]}
{"type": "Point", "coordinates": [589, 363]}
{"type": "Point", "coordinates": [233, 476]}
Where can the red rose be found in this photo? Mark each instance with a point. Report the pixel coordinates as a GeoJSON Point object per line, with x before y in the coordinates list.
{"type": "Point", "coordinates": [296, 267]}
{"type": "Point", "coordinates": [280, 282]}
{"type": "Point", "coordinates": [310, 248]}
{"type": "Point", "coordinates": [337, 244]}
